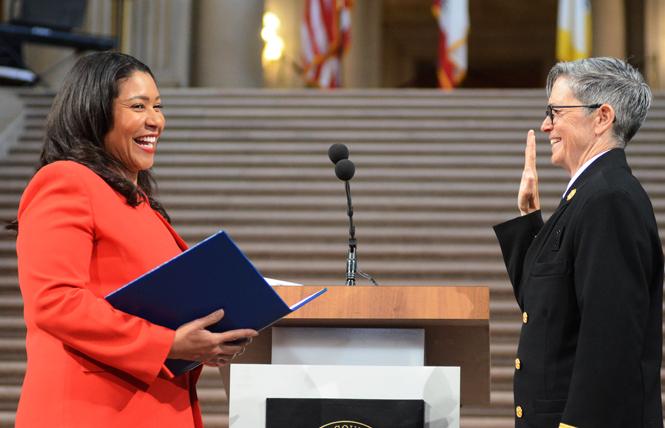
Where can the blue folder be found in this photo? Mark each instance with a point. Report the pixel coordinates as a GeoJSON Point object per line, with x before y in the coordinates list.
{"type": "Point", "coordinates": [213, 274]}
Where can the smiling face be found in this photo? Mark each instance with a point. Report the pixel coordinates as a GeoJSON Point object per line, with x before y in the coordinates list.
{"type": "Point", "coordinates": [571, 135]}
{"type": "Point", "coordinates": [137, 124]}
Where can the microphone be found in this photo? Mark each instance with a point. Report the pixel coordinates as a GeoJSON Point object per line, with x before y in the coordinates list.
{"type": "Point", "coordinates": [337, 152]}
{"type": "Point", "coordinates": [345, 170]}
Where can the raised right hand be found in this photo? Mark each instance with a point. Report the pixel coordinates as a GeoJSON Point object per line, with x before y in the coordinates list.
{"type": "Point", "coordinates": [193, 342]}
{"type": "Point", "coordinates": [528, 198]}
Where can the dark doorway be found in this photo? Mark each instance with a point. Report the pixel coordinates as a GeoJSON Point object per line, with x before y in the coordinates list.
{"type": "Point", "coordinates": [511, 43]}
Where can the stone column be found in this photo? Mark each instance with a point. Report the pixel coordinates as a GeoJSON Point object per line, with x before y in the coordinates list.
{"type": "Point", "coordinates": [608, 28]}
{"type": "Point", "coordinates": [362, 63]}
{"type": "Point", "coordinates": [158, 32]}
{"type": "Point", "coordinates": [655, 43]}
{"type": "Point", "coordinates": [285, 72]}
{"type": "Point", "coordinates": [227, 44]}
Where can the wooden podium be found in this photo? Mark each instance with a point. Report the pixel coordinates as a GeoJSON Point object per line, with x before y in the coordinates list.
{"type": "Point", "coordinates": [455, 320]}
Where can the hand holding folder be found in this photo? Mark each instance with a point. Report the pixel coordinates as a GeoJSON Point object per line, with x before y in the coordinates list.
{"type": "Point", "coordinates": [212, 274]}
{"type": "Point", "coordinates": [194, 342]}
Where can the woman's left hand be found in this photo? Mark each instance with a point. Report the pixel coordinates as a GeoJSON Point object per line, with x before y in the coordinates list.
{"type": "Point", "coordinates": [230, 350]}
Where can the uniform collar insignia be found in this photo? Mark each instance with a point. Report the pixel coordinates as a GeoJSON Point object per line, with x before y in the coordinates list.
{"type": "Point", "coordinates": [571, 194]}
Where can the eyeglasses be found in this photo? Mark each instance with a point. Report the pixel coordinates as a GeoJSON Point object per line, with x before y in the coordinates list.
{"type": "Point", "coordinates": [549, 111]}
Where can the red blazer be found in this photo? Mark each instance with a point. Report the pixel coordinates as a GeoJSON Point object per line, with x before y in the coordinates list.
{"type": "Point", "coordinates": [89, 364]}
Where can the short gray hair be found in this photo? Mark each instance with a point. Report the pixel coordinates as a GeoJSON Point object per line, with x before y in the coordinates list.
{"type": "Point", "coordinates": [608, 81]}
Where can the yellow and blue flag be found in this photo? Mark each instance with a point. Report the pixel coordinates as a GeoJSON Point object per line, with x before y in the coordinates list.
{"type": "Point", "coordinates": [573, 35]}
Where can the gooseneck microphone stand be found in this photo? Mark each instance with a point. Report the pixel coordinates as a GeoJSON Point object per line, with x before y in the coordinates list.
{"type": "Point", "coordinates": [351, 260]}
{"type": "Point", "coordinates": [344, 170]}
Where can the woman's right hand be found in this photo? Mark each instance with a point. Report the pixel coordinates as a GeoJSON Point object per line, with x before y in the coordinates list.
{"type": "Point", "coordinates": [528, 198]}
{"type": "Point", "coordinates": [193, 342]}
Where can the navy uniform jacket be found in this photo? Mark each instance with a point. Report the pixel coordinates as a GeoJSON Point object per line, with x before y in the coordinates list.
{"type": "Point", "coordinates": [590, 285]}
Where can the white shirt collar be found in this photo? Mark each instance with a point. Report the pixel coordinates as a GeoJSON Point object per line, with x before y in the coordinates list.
{"type": "Point", "coordinates": [581, 170]}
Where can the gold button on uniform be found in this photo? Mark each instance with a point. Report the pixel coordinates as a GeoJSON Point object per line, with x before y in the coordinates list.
{"type": "Point", "coordinates": [518, 363]}
{"type": "Point", "coordinates": [518, 411]}
{"type": "Point", "coordinates": [525, 317]}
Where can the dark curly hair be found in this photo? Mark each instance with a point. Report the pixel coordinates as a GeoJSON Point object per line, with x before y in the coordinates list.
{"type": "Point", "coordinates": [82, 115]}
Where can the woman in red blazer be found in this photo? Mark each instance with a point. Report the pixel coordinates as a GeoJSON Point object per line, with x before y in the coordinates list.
{"type": "Point", "coordinates": [88, 224]}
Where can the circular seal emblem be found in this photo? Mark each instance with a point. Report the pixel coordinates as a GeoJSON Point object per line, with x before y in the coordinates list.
{"type": "Point", "coordinates": [345, 424]}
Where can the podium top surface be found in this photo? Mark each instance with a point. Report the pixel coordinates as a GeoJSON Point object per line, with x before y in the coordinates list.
{"type": "Point", "coordinates": [389, 305]}
{"type": "Point", "coordinates": [455, 320]}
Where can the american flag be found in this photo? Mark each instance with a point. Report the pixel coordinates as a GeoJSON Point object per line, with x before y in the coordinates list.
{"type": "Point", "coordinates": [453, 19]}
{"type": "Point", "coordinates": [325, 34]}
